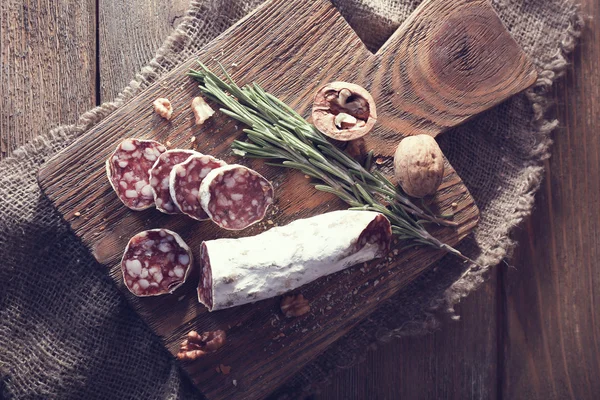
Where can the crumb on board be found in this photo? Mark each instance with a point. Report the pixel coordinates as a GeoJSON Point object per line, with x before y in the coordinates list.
{"type": "Point", "coordinates": [169, 144]}
{"type": "Point", "coordinates": [454, 205]}
{"type": "Point", "coordinates": [192, 139]}
{"type": "Point", "coordinates": [77, 214]}
{"type": "Point", "coordinates": [225, 369]}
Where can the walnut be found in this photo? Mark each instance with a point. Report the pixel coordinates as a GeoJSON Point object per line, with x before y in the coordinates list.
{"type": "Point", "coordinates": [419, 165]}
{"type": "Point", "coordinates": [294, 306]}
{"type": "Point", "coordinates": [343, 111]}
{"type": "Point", "coordinates": [163, 108]}
{"type": "Point", "coordinates": [196, 346]}
{"type": "Point", "coordinates": [202, 110]}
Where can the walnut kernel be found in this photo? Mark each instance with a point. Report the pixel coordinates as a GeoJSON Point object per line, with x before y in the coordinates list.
{"type": "Point", "coordinates": [294, 306]}
{"type": "Point", "coordinates": [163, 108]}
{"type": "Point", "coordinates": [202, 111]}
{"type": "Point", "coordinates": [196, 346]}
{"type": "Point", "coordinates": [419, 165]}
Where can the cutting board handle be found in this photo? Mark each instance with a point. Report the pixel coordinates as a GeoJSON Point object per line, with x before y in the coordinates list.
{"type": "Point", "coordinates": [449, 61]}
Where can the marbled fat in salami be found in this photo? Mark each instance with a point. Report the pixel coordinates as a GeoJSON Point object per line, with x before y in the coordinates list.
{"type": "Point", "coordinates": [160, 176]}
{"type": "Point", "coordinates": [155, 262]}
{"type": "Point", "coordinates": [128, 169]}
{"type": "Point", "coordinates": [245, 270]}
{"type": "Point", "coordinates": [235, 197]}
{"type": "Point", "coordinates": [185, 180]}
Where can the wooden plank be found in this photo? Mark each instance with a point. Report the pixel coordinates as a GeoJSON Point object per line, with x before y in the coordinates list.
{"type": "Point", "coordinates": [130, 32]}
{"type": "Point", "coordinates": [457, 362]}
{"type": "Point", "coordinates": [552, 345]}
{"type": "Point", "coordinates": [47, 66]}
{"type": "Point", "coordinates": [297, 63]}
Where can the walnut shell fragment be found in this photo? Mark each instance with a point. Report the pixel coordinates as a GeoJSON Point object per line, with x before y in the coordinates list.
{"type": "Point", "coordinates": [344, 111]}
{"type": "Point", "coordinates": [419, 165]}
{"type": "Point", "coordinates": [196, 346]}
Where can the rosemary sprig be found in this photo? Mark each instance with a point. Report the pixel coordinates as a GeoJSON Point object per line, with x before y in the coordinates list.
{"type": "Point", "coordinates": [276, 132]}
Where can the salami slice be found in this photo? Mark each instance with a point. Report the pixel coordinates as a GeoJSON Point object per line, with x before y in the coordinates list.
{"type": "Point", "coordinates": [160, 175]}
{"type": "Point", "coordinates": [245, 270]}
{"type": "Point", "coordinates": [155, 262]}
{"type": "Point", "coordinates": [185, 180]}
{"type": "Point", "coordinates": [127, 170]}
{"type": "Point", "coordinates": [235, 197]}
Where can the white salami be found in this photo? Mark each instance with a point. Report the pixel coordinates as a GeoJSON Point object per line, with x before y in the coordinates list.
{"type": "Point", "coordinates": [155, 262]}
{"type": "Point", "coordinates": [245, 270]}
{"type": "Point", "coordinates": [160, 176]}
{"type": "Point", "coordinates": [235, 197]}
{"type": "Point", "coordinates": [185, 180]}
{"type": "Point", "coordinates": [128, 169]}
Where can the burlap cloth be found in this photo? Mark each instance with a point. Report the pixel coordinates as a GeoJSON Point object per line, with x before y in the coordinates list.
{"type": "Point", "coordinates": [67, 333]}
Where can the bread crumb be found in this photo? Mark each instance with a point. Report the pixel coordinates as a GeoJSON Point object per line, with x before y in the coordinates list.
{"type": "Point", "coordinates": [77, 214]}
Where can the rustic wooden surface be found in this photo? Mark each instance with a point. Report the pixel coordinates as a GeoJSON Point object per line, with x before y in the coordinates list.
{"type": "Point", "coordinates": [530, 332]}
{"type": "Point", "coordinates": [261, 363]}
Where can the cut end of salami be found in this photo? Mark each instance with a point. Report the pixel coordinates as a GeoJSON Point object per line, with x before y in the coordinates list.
{"type": "Point", "coordinates": [235, 197]}
{"type": "Point", "coordinates": [128, 169]}
{"type": "Point", "coordinates": [160, 178]}
{"type": "Point", "coordinates": [205, 285]}
{"type": "Point", "coordinates": [155, 262]}
{"type": "Point", "coordinates": [378, 233]}
{"type": "Point", "coordinates": [185, 180]}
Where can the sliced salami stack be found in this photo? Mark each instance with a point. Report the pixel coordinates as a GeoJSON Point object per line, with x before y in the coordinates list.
{"type": "Point", "coordinates": [143, 173]}
{"type": "Point", "coordinates": [155, 262]}
{"type": "Point", "coordinates": [128, 171]}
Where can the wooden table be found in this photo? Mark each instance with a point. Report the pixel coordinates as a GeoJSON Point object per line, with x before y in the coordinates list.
{"type": "Point", "coordinates": [531, 331]}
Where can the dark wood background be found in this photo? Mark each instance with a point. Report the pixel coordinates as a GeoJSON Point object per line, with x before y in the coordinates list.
{"type": "Point", "coordinates": [531, 331]}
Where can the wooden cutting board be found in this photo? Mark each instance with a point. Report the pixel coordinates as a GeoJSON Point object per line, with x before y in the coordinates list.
{"type": "Point", "coordinates": [448, 62]}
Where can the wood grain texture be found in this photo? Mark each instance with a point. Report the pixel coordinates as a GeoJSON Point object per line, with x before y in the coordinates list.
{"type": "Point", "coordinates": [130, 33]}
{"type": "Point", "coordinates": [552, 327]}
{"type": "Point", "coordinates": [457, 362]}
{"type": "Point", "coordinates": [47, 67]}
{"type": "Point", "coordinates": [457, 61]}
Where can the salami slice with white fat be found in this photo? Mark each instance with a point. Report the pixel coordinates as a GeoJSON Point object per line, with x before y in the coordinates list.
{"type": "Point", "coordinates": [185, 180]}
{"type": "Point", "coordinates": [128, 169]}
{"type": "Point", "coordinates": [155, 262]}
{"type": "Point", "coordinates": [160, 176]}
{"type": "Point", "coordinates": [235, 197]}
{"type": "Point", "coordinates": [245, 270]}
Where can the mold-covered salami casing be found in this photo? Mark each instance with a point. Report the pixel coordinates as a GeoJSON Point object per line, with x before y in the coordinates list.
{"type": "Point", "coordinates": [245, 270]}
{"type": "Point", "coordinates": [155, 262]}
{"type": "Point", "coordinates": [128, 168]}
{"type": "Point", "coordinates": [185, 181]}
{"type": "Point", "coordinates": [160, 178]}
{"type": "Point", "coordinates": [235, 197]}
